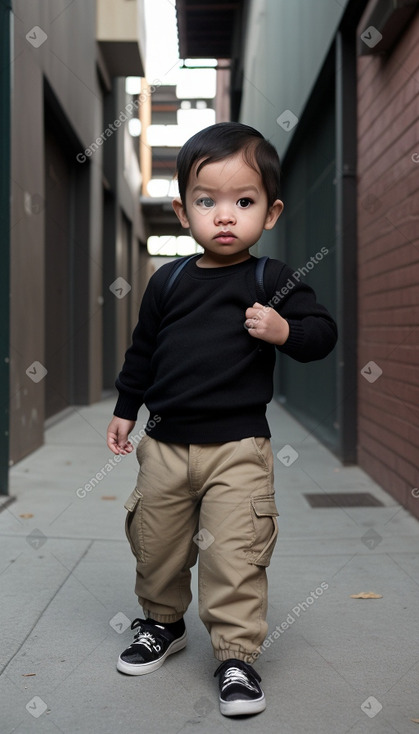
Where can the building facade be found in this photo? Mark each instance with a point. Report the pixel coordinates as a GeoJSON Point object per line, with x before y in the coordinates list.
{"type": "Point", "coordinates": [77, 241]}
{"type": "Point", "coordinates": [388, 259]}
{"type": "Point", "coordinates": [334, 87]}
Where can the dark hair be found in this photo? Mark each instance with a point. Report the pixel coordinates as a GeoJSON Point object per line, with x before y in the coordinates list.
{"type": "Point", "coordinates": [222, 140]}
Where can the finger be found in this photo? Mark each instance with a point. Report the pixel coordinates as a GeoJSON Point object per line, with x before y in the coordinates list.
{"type": "Point", "coordinates": [128, 447]}
{"type": "Point", "coordinates": [258, 305]}
{"type": "Point", "coordinates": [250, 312]}
{"type": "Point", "coordinates": [112, 443]}
{"type": "Point", "coordinates": [125, 447]}
{"type": "Point", "coordinates": [253, 332]}
{"type": "Point", "coordinates": [256, 317]}
{"type": "Point", "coordinates": [252, 324]}
{"type": "Point", "coordinates": [254, 314]}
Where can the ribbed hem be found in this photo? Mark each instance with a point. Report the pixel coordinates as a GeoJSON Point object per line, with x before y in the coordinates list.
{"type": "Point", "coordinates": [177, 429]}
{"type": "Point", "coordinates": [295, 338]}
{"type": "Point", "coordinates": [237, 653]}
{"type": "Point", "coordinates": [162, 618]}
{"type": "Point", "coordinates": [126, 408]}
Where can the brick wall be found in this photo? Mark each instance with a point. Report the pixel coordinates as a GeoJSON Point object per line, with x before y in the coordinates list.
{"type": "Point", "coordinates": [388, 267]}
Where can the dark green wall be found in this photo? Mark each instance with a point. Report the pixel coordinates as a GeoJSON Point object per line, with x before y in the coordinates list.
{"type": "Point", "coordinates": [309, 228]}
{"type": "Point", "coordinates": [5, 81]}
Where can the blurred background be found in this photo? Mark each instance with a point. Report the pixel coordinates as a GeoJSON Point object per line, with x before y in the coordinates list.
{"type": "Point", "coordinates": [97, 96]}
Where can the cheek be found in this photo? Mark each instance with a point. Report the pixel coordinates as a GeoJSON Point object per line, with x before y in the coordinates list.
{"type": "Point", "coordinates": [200, 221]}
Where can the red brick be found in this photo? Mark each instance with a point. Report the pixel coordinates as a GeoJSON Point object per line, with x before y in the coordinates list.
{"type": "Point", "coordinates": [384, 476]}
{"type": "Point", "coordinates": [389, 441]}
{"type": "Point", "coordinates": [398, 277]}
{"type": "Point", "coordinates": [403, 255]}
{"type": "Point", "coordinates": [412, 500]}
{"type": "Point", "coordinates": [388, 266]}
{"type": "Point", "coordinates": [386, 74]}
{"type": "Point", "coordinates": [401, 427]}
{"type": "Point", "coordinates": [400, 111]}
{"type": "Point", "coordinates": [374, 248]}
{"type": "Point", "coordinates": [392, 148]}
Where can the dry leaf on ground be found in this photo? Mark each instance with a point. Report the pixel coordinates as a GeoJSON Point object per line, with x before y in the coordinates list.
{"type": "Point", "coordinates": [107, 497]}
{"type": "Point", "coordinates": [26, 515]}
{"type": "Point", "coordinates": [366, 595]}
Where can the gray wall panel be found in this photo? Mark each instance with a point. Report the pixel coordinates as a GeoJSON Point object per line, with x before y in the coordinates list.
{"type": "Point", "coordinates": [55, 73]}
{"type": "Point", "coordinates": [286, 45]}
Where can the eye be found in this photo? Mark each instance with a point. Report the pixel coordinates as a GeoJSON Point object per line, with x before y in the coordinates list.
{"type": "Point", "coordinates": [245, 202]}
{"type": "Point", "coordinates": [205, 201]}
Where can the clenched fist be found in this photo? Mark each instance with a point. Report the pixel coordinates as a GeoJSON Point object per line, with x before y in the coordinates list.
{"type": "Point", "coordinates": [267, 324]}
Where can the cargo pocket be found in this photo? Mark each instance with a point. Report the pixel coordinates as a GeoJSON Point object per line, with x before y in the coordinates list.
{"type": "Point", "coordinates": [263, 450]}
{"type": "Point", "coordinates": [134, 524]}
{"type": "Point", "coordinates": [264, 514]}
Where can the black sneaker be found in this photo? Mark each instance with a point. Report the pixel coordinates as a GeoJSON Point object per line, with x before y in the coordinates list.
{"type": "Point", "coordinates": [152, 644]}
{"type": "Point", "coordinates": [240, 692]}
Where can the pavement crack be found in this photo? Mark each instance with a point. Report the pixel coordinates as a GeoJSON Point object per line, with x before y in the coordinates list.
{"type": "Point", "coordinates": [83, 555]}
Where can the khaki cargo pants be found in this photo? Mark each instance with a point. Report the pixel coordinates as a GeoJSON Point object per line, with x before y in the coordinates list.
{"type": "Point", "coordinates": [216, 500]}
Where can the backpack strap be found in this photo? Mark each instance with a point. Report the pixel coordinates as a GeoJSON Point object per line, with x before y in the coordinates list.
{"type": "Point", "coordinates": [259, 277]}
{"type": "Point", "coordinates": [175, 273]}
{"type": "Point", "coordinates": [260, 286]}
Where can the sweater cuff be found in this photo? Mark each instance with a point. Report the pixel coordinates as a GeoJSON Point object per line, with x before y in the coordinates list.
{"type": "Point", "coordinates": [295, 338]}
{"type": "Point", "coordinates": [126, 408]}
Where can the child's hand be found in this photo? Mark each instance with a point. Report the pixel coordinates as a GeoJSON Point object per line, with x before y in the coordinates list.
{"type": "Point", "coordinates": [267, 324]}
{"type": "Point", "coordinates": [117, 435]}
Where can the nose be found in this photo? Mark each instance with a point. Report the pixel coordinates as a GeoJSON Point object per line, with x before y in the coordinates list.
{"type": "Point", "coordinates": [224, 214]}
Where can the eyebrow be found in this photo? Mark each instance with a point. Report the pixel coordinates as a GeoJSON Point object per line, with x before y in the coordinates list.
{"type": "Point", "coordinates": [199, 187]}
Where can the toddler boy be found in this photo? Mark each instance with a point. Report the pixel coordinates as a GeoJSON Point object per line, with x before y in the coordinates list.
{"type": "Point", "coordinates": [202, 360]}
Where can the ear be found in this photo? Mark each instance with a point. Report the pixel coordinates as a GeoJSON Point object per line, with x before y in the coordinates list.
{"type": "Point", "coordinates": [274, 212]}
{"type": "Point", "coordinates": [180, 212]}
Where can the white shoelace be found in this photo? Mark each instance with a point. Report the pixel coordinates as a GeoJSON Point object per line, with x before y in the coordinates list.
{"type": "Point", "coordinates": [147, 639]}
{"type": "Point", "coordinates": [236, 675]}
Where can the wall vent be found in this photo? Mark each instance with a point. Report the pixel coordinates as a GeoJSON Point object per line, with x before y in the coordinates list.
{"type": "Point", "coordinates": [341, 499]}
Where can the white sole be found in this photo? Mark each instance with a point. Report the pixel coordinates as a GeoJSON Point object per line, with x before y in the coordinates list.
{"type": "Point", "coordinates": [144, 668]}
{"type": "Point", "coordinates": [240, 708]}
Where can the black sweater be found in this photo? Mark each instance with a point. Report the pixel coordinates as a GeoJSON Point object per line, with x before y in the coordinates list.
{"type": "Point", "coordinates": [192, 362]}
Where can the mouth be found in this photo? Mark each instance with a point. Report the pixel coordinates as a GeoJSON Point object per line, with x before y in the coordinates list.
{"type": "Point", "coordinates": [225, 238]}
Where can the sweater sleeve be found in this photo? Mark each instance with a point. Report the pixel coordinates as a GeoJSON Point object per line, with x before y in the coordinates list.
{"type": "Point", "coordinates": [135, 376]}
{"type": "Point", "coordinates": [313, 331]}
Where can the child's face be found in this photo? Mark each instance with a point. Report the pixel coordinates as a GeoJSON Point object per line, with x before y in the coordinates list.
{"type": "Point", "coordinates": [227, 210]}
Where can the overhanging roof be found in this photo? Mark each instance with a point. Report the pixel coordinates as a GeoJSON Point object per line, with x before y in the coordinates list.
{"type": "Point", "coordinates": [120, 35]}
{"type": "Point", "coordinates": [206, 27]}
{"type": "Point", "coordinates": [160, 218]}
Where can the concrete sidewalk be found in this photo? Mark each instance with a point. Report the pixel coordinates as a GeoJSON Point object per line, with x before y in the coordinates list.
{"type": "Point", "coordinates": [332, 664]}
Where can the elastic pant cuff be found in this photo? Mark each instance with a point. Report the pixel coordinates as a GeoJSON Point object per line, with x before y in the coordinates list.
{"type": "Point", "coordinates": [246, 657]}
{"type": "Point", "coordinates": [162, 618]}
